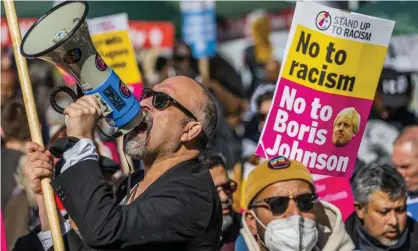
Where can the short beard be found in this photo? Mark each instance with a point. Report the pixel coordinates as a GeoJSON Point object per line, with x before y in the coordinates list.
{"type": "Point", "coordinates": [226, 222]}
{"type": "Point", "coordinates": [135, 146]}
{"type": "Point", "coordinates": [389, 242]}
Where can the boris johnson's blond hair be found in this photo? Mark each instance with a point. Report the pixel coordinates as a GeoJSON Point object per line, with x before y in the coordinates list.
{"type": "Point", "coordinates": [350, 114]}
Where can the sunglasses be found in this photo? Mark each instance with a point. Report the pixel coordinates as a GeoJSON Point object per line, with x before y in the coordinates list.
{"type": "Point", "coordinates": [279, 205]}
{"type": "Point", "coordinates": [229, 188]}
{"type": "Point", "coordinates": [162, 101]}
{"type": "Point", "coordinates": [180, 58]}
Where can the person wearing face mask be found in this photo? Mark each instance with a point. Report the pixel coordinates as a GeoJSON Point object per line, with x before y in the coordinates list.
{"type": "Point", "coordinates": [283, 213]}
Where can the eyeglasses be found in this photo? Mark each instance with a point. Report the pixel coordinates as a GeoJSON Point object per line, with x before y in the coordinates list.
{"type": "Point", "coordinates": [279, 205]}
{"type": "Point", "coordinates": [161, 101]}
{"type": "Point", "coordinates": [229, 188]}
{"type": "Point", "coordinates": [180, 58]}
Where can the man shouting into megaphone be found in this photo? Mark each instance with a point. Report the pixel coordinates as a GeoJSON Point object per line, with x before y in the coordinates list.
{"type": "Point", "coordinates": [173, 203]}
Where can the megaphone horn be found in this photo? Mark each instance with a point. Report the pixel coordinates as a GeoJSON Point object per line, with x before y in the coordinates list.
{"type": "Point", "coordinates": [61, 37]}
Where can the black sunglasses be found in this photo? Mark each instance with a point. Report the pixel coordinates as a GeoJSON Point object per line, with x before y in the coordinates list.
{"type": "Point", "coordinates": [229, 188]}
{"type": "Point", "coordinates": [279, 205]}
{"type": "Point", "coordinates": [180, 58]}
{"type": "Point", "coordinates": [161, 101]}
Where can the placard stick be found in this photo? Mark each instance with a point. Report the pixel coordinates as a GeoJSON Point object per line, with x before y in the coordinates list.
{"type": "Point", "coordinates": [204, 70]}
{"type": "Point", "coordinates": [123, 157]}
{"type": "Point", "coordinates": [33, 121]}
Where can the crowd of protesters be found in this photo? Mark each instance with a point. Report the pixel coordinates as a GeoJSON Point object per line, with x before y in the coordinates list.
{"type": "Point", "coordinates": [258, 204]}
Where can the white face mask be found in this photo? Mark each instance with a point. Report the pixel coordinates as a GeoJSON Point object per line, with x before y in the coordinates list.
{"type": "Point", "coordinates": [294, 233]}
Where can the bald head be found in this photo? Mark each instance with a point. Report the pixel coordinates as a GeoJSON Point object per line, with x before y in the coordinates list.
{"type": "Point", "coordinates": [197, 99]}
{"type": "Point", "coordinates": [408, 139]}
{"type": "Point", "coordinates": [405, 156]}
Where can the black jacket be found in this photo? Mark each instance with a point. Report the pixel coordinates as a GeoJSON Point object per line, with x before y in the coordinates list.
{"type": "Point", "coordinates": [181, 210]}
{"type": "Point", "coordinates": [412, 239]}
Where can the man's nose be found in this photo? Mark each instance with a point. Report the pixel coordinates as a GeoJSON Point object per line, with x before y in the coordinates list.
{"type": "Point", "coordinates": [292, 209]}
{"type": "Point", "coordinates": [392, 219]}
{"type": "Point", "coordinates": [402, 171]}
{"type": "Point", "coordinates": [223, 196]}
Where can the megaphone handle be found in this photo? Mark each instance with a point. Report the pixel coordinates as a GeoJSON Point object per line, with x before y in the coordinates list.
{"type": "Point", "coordinates": [53, 93]}
{"type": "Point", "coordinates": [33, 120]}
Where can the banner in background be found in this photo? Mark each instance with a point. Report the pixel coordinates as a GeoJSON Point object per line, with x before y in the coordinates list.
{"type": "Point", "coordinates": [337, 191]}
{"type": "Point", "coordinates": [143, 34]}
{"type": "Point", "coordinates": [236, 28]}
{"type": "Point", "coordinates": [326, 86]}
{"type": "Point", "coordinates": [149, 35]}
{"type": "Point", "coordinates": [412, 208]}
{"type": "Point", "coordinates": [199, 27]}
{"type": "Point", "coordinates": [110, 35]}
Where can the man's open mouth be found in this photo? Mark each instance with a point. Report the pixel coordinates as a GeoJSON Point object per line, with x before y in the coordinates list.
{"type": "Point", "coordinates": [141, 128]}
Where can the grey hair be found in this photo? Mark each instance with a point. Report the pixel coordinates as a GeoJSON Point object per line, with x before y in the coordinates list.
{"type": "Point", "coordinates": [378, 177]}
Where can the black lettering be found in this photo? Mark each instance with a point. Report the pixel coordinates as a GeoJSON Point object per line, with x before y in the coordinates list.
{"type": "Point", "coordinates": [340, 57]}
{"type": "Point", "coordinates": [310, 76]}
{"type": "Point", "coordinates": [292, 67]}
{"type": "Point", "coordinates": [331, 80]}
{"type": "Point", "coordinates": [347, 82]}
{"type": "Point", "coordinates": [303, 69]}
{"type": "Point", "coordinates": [346, 31]}
{"type": "Point", "coordinates": [314, 50]}
{"type": "Point", "coordinates": [302, 43]}
{"type": "Point", "coordinates": [330, 50]}
{"type": "Point", "coordinates": [322, 75]}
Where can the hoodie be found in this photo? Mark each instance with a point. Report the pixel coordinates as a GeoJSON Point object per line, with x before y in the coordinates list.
{"type": "Point", "coordinates": [331, 231]}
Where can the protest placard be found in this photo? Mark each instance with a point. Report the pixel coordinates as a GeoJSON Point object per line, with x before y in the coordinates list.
{"type": "Point", "coordinates": [199, 27]}
{"type": "Point", "coordinates": [412, 208]}
{"type": "Point", "coordinates": [337, 191]}
{"type": "Point", "coordinates": [328, 80]}
{"type": "Point", "coordinates": [110, 35]}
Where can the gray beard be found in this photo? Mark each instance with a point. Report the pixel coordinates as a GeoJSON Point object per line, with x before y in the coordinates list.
{"type": "Point", "coordinates": [226, 222]}
{"type": "Point", "coordinates": [135, 146]}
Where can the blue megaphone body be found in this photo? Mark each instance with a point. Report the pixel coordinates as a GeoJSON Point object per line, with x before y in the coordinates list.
{"type": "Point", "coordinates": [61, 37]}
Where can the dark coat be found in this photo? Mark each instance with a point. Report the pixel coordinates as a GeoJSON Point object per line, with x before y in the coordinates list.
{"type": "Point", "coordinates": [412, 239]}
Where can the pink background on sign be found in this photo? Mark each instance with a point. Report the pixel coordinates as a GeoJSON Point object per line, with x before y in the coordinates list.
{"type": "Point", "coordinates": [336, 186]}
{"type": "Point", "coordinates": [338, 103]}
{"type": "Point", "coordinates": [136, 89]}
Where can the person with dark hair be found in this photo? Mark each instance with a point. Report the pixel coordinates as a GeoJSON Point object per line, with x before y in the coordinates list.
{"type": "Point", "coordinates": [15, 135]}
{"type": "Point", "coordinates": [173, 204]}
{"type": "Point", "coordinates": [216, 163]}
{"type": "Point", "coordinates": [380, 221]}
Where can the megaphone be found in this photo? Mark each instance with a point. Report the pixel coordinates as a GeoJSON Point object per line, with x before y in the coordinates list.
{"type": "Point", "coordinates": [61, 37]}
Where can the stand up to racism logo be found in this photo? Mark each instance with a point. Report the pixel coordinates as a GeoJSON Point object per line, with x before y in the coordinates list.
{"type": "Point", "coordinates": [323, 20]}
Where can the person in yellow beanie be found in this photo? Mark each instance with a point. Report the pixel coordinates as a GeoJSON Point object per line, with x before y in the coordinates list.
{"type": "Point", "coordinates": [283, 212]}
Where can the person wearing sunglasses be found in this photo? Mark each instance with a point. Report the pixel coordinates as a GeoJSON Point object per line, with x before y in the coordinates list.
{"type": "Point", "coordinates": [225, 187]}
{"type": "Point", "coordinates": [284, 214]}
{"type": "Point", "coordinates": [172, 204]}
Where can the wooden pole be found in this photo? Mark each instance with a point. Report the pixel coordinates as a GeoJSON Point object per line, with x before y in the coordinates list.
{"type": "Point", "coordinates": [125, 160]}
{"type": "Point", "coordinates": [204, 71]}
{"type": "Point", "coordinates": [33, 121]}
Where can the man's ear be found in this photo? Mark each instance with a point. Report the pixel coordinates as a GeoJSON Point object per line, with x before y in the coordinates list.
{"type": "Point", "coordinates": [191, 131]}
{"type": "Point", "coordinates": [251, 221]}
{"type": "Point", "coordinates": [360, 210]}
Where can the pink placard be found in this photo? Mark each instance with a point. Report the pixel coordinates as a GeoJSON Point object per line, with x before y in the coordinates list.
{"type": "Point", "coordinates": [337, 191]}
{"type": "Point", "coordinates": [300, 126]}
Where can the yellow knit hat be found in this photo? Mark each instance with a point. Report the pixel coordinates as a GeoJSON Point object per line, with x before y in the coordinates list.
{"type": "Point", "coordinates": [272, 171]}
